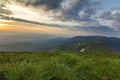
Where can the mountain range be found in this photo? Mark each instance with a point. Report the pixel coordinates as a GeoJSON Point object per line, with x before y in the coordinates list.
{"type": "Point", "coordinates": [93, 44]}
{"type": "Point", "coordinates": [74, 44]}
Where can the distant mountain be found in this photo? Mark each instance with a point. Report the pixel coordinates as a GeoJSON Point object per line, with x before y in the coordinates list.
{"type": "Point", "coordinates": [74, 44]}
{"type": "Point", "coordinates": [89, 44]}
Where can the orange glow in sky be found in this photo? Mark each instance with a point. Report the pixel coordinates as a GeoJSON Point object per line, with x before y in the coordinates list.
{"type": "Point", "coordinates": [3, 26]}
{"type": "Point", "coordinates": [21, 27]}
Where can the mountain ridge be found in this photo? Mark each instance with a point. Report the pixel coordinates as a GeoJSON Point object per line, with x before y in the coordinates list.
{"type": "Point", "coordinates": [48, 45]}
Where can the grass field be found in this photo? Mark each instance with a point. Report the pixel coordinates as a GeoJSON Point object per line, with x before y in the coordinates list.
{"type": "Point", "coordinates": [59, 66]}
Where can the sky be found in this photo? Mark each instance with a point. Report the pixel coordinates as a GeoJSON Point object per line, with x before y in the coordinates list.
{"type": "Point", "coordinates": [32, 20]}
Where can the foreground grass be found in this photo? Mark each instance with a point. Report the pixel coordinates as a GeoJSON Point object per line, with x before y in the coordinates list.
{"type": "Point", "coordinates": [59, 66]}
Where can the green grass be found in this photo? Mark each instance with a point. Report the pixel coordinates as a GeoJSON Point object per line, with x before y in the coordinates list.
{"type": "Point", "coordinates": [59, 66]}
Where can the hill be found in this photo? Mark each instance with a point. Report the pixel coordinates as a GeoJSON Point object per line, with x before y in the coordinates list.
{"type": "Point", "coordinates": [83, 47]}
{"type": "Point", "coordinates": [98, 44]}
{"type": "Point", "coordinates": [59, 66]}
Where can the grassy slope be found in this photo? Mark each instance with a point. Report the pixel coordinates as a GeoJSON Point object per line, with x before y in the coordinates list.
{"type": "Point", "coordinates": [59, 66]}
{"type": "Point", "coordinates": [89, 46]}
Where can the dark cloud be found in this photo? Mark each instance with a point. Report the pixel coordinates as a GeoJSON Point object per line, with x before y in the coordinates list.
{"type": "Point", "coordinates": [28, 21]}
{"type": "Point", "coordinates": [50, 4]}
{"type": "Point", "coordinates": [99, 29]}
{"type": "Point", "coordinates": [81, 10]}
{"type": "Point", "coordinates": [2, 10]}
{"type": "Point", "coordinates": [105, 15]}
{"type": "Point", "coordinates": [112, 16]}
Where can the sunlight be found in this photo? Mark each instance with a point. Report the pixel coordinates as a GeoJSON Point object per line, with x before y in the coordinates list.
{"type": "Point", "coordinates": [3, 26]}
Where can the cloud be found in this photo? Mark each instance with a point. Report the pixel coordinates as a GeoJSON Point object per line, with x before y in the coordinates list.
{"type": "Point", "coordinates": [5, 17]}
{"type": "Point", "coordinates": [112, 17]}
{"type": "Point", "coordinates": [80, 10]}
{"type": "Point", "coordinates": [49, 4]}
{"type": "Point", "coordinates": [57, 10]}
{"type": "Point", "coordinates": [84, 15]}
{"type": "Point", "coordinates": [2, 10]}
{"type": "Point", "coordinates": [101, 29]}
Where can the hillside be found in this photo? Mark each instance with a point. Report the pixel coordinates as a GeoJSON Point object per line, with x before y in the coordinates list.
{"type": "Point", "coordinates": [91, 45]}
{"type": "Point", "coordinates": [59, 66]}
{"type": "Point", "coordinates": [77, 43]}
